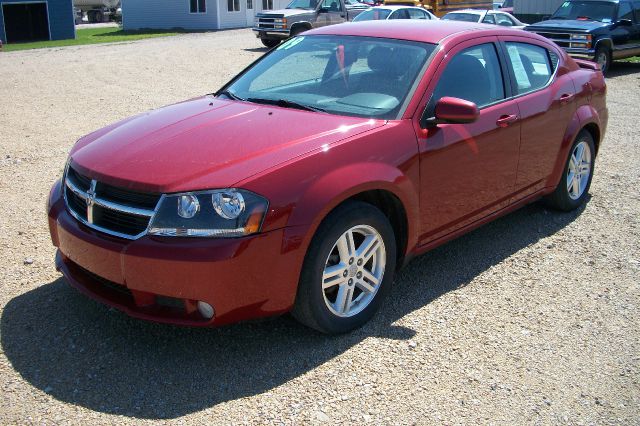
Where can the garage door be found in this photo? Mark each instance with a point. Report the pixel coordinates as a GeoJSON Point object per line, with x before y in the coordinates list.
{"type": "Point", "coordinates": [25, 21]}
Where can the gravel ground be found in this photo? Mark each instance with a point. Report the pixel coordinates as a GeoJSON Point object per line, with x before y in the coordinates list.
{"type": "Point", "coordinates": [531, 319]}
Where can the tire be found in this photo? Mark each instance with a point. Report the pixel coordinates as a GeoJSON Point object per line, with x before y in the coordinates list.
{"type": "Point", "coordinates": [572, 190]}
{"type": "Point", "coordinates": [319, 299]}
{"type": "Point", "coordinates": [603, 58]}
{"type": "Point", "coordinates": [270, 42]}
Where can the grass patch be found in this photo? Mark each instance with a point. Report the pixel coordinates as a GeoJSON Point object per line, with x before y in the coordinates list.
{"type": "Point", "coordinates": [633, 60]}
{"type": "Point", "coordinates": [95, 36]}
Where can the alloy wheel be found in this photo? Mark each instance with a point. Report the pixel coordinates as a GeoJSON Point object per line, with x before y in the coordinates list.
{"type": "Point", "coordinates": [579, 170]}
{"type": "Point", "coordinates": [354, 271]}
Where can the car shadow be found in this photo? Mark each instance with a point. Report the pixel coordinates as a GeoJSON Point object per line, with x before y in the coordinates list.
{"type": "Point", "coordinates": [256, 49]}
{"type": "Point", "coordinates": [620, 69]}
{"type": "Point", "coordinates": [86, 354]}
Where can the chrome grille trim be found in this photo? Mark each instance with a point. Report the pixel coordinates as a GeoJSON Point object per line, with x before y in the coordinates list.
{"type": "Point", "coordinates": [92, 199]}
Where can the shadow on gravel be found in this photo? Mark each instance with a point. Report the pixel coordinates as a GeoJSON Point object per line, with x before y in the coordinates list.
{"type": "Point", "coordinates": [620, 69]}
{"type": "Point", "coordinates": [83, 353]}
{"type": "Point", "coordinates": [256, 49]}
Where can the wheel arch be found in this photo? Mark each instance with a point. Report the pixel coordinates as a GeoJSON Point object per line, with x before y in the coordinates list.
{"type": "Point", "coordinates": [585, 118]}
{"type": "Point", "coordinates": [383, 186]}
{"type": "Point", "coordinates": [303, 25]}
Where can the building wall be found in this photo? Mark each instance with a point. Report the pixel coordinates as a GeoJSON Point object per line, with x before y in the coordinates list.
{"type": "Point", "coordinates": [167, 14]}
{"type": "Point", "coordinates": [531, 11]}
{"type": "Point", "coordinates": [60, 14]}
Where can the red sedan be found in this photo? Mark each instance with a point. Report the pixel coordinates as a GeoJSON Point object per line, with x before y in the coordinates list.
{"type": "Point", "coordinates": [311, 177]}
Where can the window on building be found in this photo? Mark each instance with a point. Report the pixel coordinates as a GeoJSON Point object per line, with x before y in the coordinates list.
{"type": "Point", "coordinates": [267, 4]}
{"type": "Point", "coordinates": [233, 5]}
{"type": "Point", "coordinates": [198, 6]}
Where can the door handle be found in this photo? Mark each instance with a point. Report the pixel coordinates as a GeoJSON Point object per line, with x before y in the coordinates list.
{"type": "Point", "coordinates": [566, 98]}
{"type": "Point", "coordinates": [506, 120]}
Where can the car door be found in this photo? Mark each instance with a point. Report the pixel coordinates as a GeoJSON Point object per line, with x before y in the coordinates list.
{"type": "Point", "coordinates": [626, 34]}
{"type": "Point", "coordinates": [468, 171]}
{"type": "Point", "coordinates": [330, 12]}
{"type": "Point", "coordinates": [545, 94]}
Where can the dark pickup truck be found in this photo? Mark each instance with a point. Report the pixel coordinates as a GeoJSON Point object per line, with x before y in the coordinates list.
{"type": "Point", "coordinates": [599, 30]}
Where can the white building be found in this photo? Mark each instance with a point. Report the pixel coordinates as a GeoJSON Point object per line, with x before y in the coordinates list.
{"type": "Point", "coordinates": [194, 14]}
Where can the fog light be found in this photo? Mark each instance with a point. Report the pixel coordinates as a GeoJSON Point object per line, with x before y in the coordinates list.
{"type": "Point", "coordinates": [205, 309]}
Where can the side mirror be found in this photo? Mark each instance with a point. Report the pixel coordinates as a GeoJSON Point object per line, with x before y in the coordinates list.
{"type": "Point", "coordinates": [625, 23]}
{"type": "Point", "coordinates": [323, 10]}
{"type": "Point", "coordinates": [452, 111]}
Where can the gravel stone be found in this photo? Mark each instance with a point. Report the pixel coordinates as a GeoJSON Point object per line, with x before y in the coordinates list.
{"type": "Point", "coordinates": [532, 319]}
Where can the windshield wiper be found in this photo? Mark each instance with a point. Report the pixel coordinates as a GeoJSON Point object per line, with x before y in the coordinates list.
{"type": "Point", "coordinates": [229, 94]}
{"type": "Point", "coordinates": [285, 104]}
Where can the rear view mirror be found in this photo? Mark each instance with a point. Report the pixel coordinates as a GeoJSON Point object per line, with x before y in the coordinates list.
{"type": "Point", "coordinates": [453, 111]}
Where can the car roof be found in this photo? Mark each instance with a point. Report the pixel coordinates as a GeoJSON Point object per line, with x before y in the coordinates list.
{"type": "Point", "coordinates": [397, 7]}
{"type": "Point", "coordinates": [416, 30]}
{"type": "Point", "coordinates": [472, 11]}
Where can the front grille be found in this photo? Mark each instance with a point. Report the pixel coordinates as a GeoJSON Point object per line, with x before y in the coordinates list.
{"type": "Point", "coordinates": [561, 39]}
{"type": "Point", "coordinates": [109, 209]}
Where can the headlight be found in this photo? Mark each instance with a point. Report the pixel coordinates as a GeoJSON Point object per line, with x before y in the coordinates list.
{"type": "Point", "coordinates": [221, 213]}
{"type": "Point", "coordinates": [583, 37]}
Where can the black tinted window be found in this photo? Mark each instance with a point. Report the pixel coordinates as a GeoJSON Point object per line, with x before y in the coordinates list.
{"type": "Point", "coordinates": [625, 11]}
{"type": "Point", "coordinates": [474, 75]}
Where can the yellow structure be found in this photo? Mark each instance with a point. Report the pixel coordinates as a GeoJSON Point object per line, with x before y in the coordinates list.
{"type": "Point", "coordinates": [440, 7]}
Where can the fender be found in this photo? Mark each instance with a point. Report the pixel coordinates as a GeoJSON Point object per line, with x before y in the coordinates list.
{"type": "Point", "coordinates": [332, 189]}
{"type": "Point", "coordinates": [584, 115]}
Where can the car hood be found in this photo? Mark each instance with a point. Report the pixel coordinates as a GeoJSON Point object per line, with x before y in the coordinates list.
{"type": "Point", "coordinates": [285, 12]}
{"type": "Point", "coordinates": [562, 24]}
{"type": "Point", "coordinates": [206, 143]}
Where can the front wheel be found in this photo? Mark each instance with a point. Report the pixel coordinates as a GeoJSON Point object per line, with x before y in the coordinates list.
{"type": "Point", "coordinates": [603, 58]}
{"type": "Point", "coordinates": [574, 185]}
{"type": "Point", "coordinates": [348, 269]}
{"type": "Point", "coordinates": [270, 42]}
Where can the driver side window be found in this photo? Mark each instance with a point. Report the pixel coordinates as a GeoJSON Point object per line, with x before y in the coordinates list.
{"type": "Point", "coordinates": [625, 11]}
{"type": "Point", "coordinates": [332, 5]}
{"type": "Point", "coordinates": [473, 75]}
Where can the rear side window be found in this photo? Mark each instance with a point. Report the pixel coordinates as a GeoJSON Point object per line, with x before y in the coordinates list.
{"type": "Point", "coordinates": [489, 19]}
{"type": "Point", "coordinates": [530, 65]}
{"type": "Point", "coordinates": [636, 9]}
{"type": "Point", "coordinates": [625, 11]}
{"type": "Point", "coordinates": [418, 14]}
{"type": "Point", "coordinates": [474, 75]}
{"type": "Point", "coordinates": [504, 20]}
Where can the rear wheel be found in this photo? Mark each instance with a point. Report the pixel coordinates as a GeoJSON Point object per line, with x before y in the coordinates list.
{"type": "Point", "coordinates": [574, 185]}
{"type": "Point", "coordinates": [603, 58]}
{"type": "Point", "coordinates": [270, 42]}
{"type": "Point", "coordinates": [348, 269]}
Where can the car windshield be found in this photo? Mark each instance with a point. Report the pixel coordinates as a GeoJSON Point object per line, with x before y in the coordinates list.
{"type": "Point", "coordinates": [303, 4]}
{"type": "Point", "coordinates": [467, 17]}
{"type": "Point", "coordinates": [372, 15]}
{"type": "Point", "coordinates": [344, 75]}
{"type": "Point", "coordinates": [585, 11]}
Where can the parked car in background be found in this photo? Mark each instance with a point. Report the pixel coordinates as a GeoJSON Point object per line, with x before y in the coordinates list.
{"type": "Point", "coordinates": [355, 4]}
{"type": "Point", "coordinates": [371, 3]}
{"type": "Point", "coordinates": [394, 12]}
{"type": "Point", "coordinates": [493, 17]}
{"type": "Point", "coordinates": [601, 30]}
{"type": "Point", "coordinates": [273, 26]}
{"type": "Point", "coordinates": [440, 7]}
{"type": "Point", "coordinates": [307, 180]}
{"type": "Point", "coordinates": [507, 6]}
{"type": "Point", "coordinates": [497, 5]}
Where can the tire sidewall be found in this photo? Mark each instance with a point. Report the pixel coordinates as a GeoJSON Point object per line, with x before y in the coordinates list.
{"type": "Point", "coordinates": [324, 240]}
{"type": "Point", "coordinates": [562, 187]}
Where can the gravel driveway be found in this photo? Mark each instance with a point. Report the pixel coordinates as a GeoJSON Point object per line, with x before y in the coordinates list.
{"type": "Point", "coordinates": [531, 319]}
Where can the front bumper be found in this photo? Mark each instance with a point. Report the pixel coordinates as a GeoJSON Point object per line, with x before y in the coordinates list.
{"type": "Point", "coordinates": [581, 53]}
{"type": "Point", "coordinates": [271, 33]}
{"type": "Point", "coordinates": [162, 279]}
